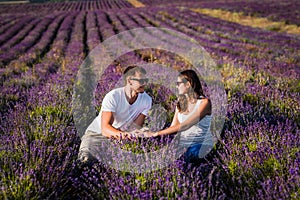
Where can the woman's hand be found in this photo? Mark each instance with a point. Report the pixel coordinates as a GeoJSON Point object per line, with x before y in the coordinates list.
{"type": "Point", "coordinates": [151, 134]}
{"type": "Point", "coordinates": [144, 133]}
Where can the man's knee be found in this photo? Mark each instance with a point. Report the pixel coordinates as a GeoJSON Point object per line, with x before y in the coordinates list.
{"type": "Point", "coordinates": [85, 154]}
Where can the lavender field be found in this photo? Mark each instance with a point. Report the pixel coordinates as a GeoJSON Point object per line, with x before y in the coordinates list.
{"type": "Point", "coordinates": [42, 46]}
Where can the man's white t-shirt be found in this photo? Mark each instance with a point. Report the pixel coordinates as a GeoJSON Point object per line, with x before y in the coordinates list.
{"type": "Point", "coordinates": [124, 114]}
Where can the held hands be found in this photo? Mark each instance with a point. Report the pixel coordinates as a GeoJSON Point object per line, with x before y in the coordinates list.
{"type": "Point", "coordinates": [145, 133]}
{"type": "Point", "coordinates": [148, 134]}
{"type": "Point", "coordinates": [137, 133]}
{"type": "Point", "coordinates": [152, 134]}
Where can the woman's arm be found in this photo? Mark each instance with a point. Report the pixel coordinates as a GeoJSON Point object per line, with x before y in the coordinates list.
{"type": "Point", "coordinates": [203, 109]}
{"type": "Point", "coordinates": [175, 118]}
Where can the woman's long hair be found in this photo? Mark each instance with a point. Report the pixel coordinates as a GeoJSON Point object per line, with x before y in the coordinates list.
{"type": "Point", "coordinates": [195, 91]}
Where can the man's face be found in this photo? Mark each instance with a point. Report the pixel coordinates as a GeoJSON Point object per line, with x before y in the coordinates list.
{"type": "Point", "coordinates": [138, 81]}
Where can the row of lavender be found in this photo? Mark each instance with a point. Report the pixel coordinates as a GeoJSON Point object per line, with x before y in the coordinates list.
{"type": "Point", "coordinates": [212, 41]}
{"type": "Point", "coordinates": [65, 6]}
{"type": "Point", "coordinates": [231, 39]}
{"type": "Point", "coordinates": [258, 151]}
{"type": "Point", "coordinates": [275, 10]}
{"type": "Point", "coordinates": [286, 11]}
{"type": "Point", "coordinates": [166, 2]}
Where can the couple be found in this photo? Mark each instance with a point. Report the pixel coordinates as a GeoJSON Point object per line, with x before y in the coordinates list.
{"type": "Point", "coordinates": [124, 110]}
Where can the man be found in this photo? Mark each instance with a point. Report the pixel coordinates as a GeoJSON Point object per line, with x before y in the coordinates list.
{"type": "Point", "coordinates": [123, 109]}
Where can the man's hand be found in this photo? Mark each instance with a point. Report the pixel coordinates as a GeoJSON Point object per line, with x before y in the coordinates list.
{"type": "Point", "coordinates": [123, 135]}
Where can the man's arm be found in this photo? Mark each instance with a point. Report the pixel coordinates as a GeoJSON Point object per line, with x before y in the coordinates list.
{"type": "Point", "coordinates": [107, 129]}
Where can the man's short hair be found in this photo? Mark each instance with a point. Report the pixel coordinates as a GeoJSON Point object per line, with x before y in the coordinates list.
{"type": "Point", "coordinates": [131, 70]}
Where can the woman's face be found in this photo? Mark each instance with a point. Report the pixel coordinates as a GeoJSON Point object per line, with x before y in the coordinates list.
{"type": "Point", "coordinates": [181, 85]}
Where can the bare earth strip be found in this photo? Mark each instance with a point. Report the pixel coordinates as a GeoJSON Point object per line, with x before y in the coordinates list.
{"type": "Point", "coordinates": [136, 3]}
{"type": "Point", "coordinates": [258, 22]}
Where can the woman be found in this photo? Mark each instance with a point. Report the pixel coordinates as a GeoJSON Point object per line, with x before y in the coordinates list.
{"type": "Point", "coordinates": [192, 116]}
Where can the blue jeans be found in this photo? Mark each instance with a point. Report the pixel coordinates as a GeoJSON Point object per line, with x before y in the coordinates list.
{"type": "Point", "coordinates": [192, 153]}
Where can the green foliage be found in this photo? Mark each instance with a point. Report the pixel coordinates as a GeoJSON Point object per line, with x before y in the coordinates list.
{"type": "Point", "coordinates": [252, 146]}
{"type": "Point", "coordinates": [293, 153]}
{"type": "Point", "coordinates": [19, 188]}
{"type": "Point", "coordinates": [235, 78]}
{"type": "Point", "coordinates": [251, 98]}
{"type": "Point", "coordinates": [48, 112]}
{"type": "Point", "coordinates": [270, 166]}
{"type": "Point", "coordinates": [233, 167]}
{"type": "Point", "coordinates": [142, 181]}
